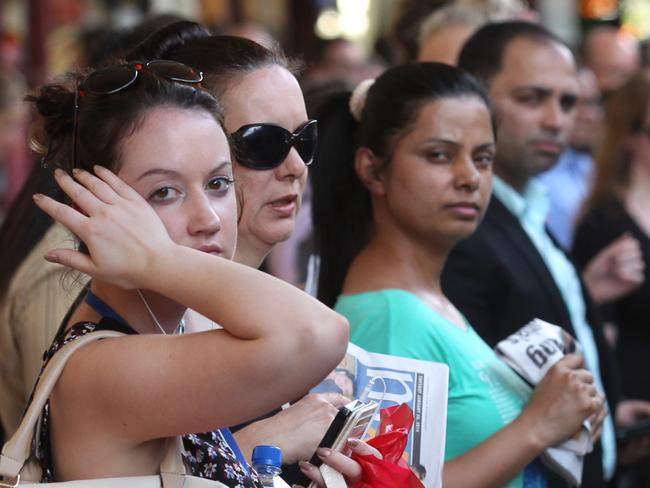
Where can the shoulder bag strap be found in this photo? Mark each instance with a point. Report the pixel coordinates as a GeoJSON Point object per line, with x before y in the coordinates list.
{"type": "Point", "coordinates": [17, 449]}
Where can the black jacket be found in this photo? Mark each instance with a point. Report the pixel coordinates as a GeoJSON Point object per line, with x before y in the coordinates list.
{"type": "Point", "coordinates": [498, 279]}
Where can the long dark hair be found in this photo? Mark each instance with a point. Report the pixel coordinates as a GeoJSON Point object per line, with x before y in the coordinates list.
{"type": "Point", "coordinates": [341, 205]}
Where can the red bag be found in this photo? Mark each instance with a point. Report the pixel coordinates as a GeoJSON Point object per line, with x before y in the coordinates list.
{"type": "Point", "coordinates": [391, 471]}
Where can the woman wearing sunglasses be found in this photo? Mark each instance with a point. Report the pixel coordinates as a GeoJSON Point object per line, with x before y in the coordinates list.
{"type": "Point", "coordinates": [264, 114]}
{"type": "Point", "coordinates": [273, 143]}
{"type": "Point", "coordinates": [160, 235]}
{"type": "Point", "coordinates": [403, 174]}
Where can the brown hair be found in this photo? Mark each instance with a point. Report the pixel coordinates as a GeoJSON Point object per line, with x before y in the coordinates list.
{"type": "Point", "coordinates": [104, 120]}
{"type": "Point", "coordinates": [224, 60]}
{"type": "Point", "coordinates": [627, 109]}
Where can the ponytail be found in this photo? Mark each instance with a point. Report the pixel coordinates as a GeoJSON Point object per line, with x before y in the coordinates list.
{"type": "Point", "coordinates": [341, 206]}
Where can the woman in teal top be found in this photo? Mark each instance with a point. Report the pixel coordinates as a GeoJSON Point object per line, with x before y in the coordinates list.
{"type": "Point", "coordinates": [405, 174]}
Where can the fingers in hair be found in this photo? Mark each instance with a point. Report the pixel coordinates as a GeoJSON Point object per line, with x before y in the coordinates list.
{"type": "Point", "coordinates": [116, 183]}
{"type": "Point", "coordinates": [96, 186]}
{"type": "Point", "coordinates": [78, 193]}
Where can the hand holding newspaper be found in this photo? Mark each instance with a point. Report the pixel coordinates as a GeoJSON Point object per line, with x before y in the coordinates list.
{"type": "Point", "coordinates": [392, 380]}
{"type": "Point", "coordinates": [531, 352]}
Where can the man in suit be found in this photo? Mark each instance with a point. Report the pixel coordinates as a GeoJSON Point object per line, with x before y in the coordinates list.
{"type": "Point", "coordinates": [511, 271]}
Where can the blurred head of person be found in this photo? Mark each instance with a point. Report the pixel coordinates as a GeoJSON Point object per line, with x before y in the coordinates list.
{"type": "Point", "coordinates": [445, 31]}
{"type": "Point", "coordinates": [343, 60]}
{"type": "Point", "coordinates": [589, 113]}
{"type": "Point", "coordinates": [612, 54]}
{"type": "Point", "coordinates": [102, 45]}
{"type": "Point", "coordinates": [403, 32]}
{"type": "Point", "coordinates": [11, 53]}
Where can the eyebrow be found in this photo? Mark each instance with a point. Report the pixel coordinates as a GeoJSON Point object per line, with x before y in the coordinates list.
{"type": "Point", "coordinates": [485, 145]}
{"type": "Point", "coordinates": [543, 91]}
{"type": "Point", "coordinates": [176, 174]}
{"type": "Point", "coordinates": [538, 89]}
{"type": "Point", "coordinates": [434, 140]}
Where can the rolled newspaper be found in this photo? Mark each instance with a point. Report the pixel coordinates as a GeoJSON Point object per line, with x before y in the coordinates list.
{"type": "Point", "coordinates": [531, 352]}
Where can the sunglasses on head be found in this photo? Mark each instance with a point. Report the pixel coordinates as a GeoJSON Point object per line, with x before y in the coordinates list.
{"type": "Point", "coordinates": [266, 146]}
{"type": "Point", "coordinates": [114, 79]}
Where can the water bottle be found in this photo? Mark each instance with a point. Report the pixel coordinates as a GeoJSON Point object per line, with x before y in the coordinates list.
{"type": "Point", "coordinates": [267, 462]}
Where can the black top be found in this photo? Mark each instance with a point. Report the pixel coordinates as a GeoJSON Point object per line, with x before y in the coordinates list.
{"type": "Point", "coordinates": [603, 224]}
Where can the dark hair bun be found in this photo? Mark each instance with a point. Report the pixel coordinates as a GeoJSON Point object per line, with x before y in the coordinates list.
{"type": "Point", "coordinates": [55, 104]}
{"type": "Point", "coordinates": [55, 100]}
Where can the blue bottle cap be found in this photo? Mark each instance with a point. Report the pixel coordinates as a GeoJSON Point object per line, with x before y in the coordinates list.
{"type": "Point", "coordinates": [270, 455]}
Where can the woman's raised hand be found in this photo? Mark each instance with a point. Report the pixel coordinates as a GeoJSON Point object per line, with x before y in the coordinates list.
{"type": "Point", "coordinates": [562, 401]}
{"type": "Point", "coordinates": [121, 230]}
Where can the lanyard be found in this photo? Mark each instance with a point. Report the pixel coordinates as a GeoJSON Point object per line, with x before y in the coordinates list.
{"type": "Point", "coordinates": [230, 440]}
{"type": "Point", "coordinates": [102, 308]}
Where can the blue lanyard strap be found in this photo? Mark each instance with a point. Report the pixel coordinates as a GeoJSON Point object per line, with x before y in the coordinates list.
{"type": "Point", "coordinates": [102, 308]}
{"type": "Point", "coordinates": [230, 439]}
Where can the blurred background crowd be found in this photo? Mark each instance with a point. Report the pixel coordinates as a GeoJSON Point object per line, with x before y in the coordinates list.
{"type": "Point", "coordinates": [340, 41]}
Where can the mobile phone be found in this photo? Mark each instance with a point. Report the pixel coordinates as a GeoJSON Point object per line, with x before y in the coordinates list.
{"type": "Point", "coordinates": [351, 422]}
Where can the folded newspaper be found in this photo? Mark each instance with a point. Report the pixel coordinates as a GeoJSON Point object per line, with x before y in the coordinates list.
{"type": "Point", "coordinates": [531, 352]}
{"type": "Point", "coordinates": [392, 380]}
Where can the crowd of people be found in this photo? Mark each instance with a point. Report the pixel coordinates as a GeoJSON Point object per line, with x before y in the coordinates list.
{"type": "Point", "coordinates": [445, 203]}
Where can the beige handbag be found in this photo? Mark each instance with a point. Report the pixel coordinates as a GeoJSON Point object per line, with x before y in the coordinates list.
{"type": "Point", "coordinates": [18, 468]}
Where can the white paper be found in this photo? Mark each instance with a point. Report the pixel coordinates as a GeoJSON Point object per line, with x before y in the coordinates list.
{"type": "Point", "coordinates": [422, 385]}
{"type": "Point", "coordinates": [531, 352]}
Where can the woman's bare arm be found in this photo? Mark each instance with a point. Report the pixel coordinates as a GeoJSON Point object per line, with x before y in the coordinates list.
{"type": "Point", "coordinates": [561, 402]}
{"type": "Point", "coordinates": [276, 341]}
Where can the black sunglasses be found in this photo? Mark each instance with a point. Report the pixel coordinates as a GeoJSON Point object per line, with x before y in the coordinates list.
{"type": "Point", "coordinates": [114, 79]}
{"type": "Point", "coordinates": [266, 146]}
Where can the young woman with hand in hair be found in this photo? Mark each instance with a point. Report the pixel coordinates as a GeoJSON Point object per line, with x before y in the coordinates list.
{"type": "Point", "coordinates": [160, 222]}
